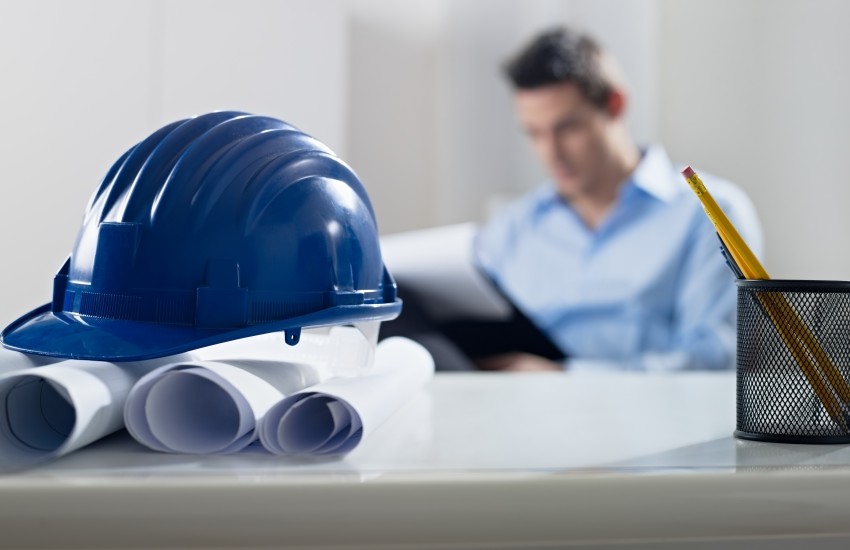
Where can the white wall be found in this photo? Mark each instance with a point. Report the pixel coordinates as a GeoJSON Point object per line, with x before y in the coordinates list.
{"type": "Point", "coordinates": [393, 106]}
{"type": "Point", "coordinates": [82, 81]}
{"type": "Point", "coordinates": [759, 91]}
{"type": "Point", "coordinates": [430, 118]}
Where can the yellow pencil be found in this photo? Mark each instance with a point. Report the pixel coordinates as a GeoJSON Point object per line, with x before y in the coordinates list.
{"type": "Point", "coordinates": [727, 231]}
{"type": "Point", "coordinates": [800, 341]}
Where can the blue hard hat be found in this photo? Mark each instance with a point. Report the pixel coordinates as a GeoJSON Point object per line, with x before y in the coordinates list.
{"type": "Point", "coordinates": [214, 228]}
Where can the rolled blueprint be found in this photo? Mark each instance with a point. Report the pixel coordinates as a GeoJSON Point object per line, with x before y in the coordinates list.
{"type": "Point", "coordinates": [332, 417]}
{"type": "Point", "coordinates": [54, 409]}
{"type": "Point", "coordinates": [200, 407]}
{"type": "Point", "coordinates": [215, 405]}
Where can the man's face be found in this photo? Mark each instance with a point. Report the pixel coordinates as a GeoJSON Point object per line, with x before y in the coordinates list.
{"type": "Point", "coordinates": [569, 134]}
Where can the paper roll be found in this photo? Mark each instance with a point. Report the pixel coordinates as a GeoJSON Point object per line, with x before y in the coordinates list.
{"type": "Point", "coordinates": [54, 409]}
{"type": "Point", "coordinates": [332, 417]}
{"type": "Point", "coordinates": [200, 407]}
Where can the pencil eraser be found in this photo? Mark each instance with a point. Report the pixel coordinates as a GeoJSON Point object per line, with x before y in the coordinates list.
{"type": "Point", "coordinates": [688, 172]}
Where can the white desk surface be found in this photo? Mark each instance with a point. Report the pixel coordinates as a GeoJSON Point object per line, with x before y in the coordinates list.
{"type": "Point", "coordinates": [475, 461]}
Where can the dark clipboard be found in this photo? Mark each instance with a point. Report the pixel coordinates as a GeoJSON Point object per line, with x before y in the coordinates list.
{"type": "Point", "coordinates": [479, 338]}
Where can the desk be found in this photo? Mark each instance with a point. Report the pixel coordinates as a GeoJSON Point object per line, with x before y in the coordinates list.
{"type": "Point", "coordinates": [474, 461]}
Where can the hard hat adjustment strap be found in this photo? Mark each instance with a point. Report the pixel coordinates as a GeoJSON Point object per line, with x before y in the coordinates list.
{"type": "Point", "coordinates": [204, 307]}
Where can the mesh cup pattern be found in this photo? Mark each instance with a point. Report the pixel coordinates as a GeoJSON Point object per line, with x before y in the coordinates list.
{"type": "Point", "coordinates": [776, 399]}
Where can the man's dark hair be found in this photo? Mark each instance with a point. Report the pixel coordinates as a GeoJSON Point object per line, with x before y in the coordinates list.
{"type": "Point", "coordinates": [561, 55]}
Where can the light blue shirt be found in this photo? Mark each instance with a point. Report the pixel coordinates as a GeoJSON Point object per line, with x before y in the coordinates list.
{"type": "Point", "coordinates": [647, 290]}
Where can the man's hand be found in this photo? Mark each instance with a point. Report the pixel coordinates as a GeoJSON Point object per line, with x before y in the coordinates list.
{"type": "Point", "coordinates": [518, 362]}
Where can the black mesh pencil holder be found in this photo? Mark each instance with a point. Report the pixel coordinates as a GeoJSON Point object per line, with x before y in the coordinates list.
{"type": "Point", "coordinates": [793, 361]}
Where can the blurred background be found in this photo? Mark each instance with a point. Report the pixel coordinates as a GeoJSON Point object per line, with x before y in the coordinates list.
{"type": "Point", "coordinates": [410, 94]}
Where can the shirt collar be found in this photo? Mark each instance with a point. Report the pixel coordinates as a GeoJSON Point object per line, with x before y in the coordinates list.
{"type": "Point", "coordinates": [656, 176]}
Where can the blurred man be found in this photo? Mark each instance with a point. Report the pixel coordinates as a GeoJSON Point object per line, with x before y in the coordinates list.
{"type": "Point", "coordinates": [613, 257]}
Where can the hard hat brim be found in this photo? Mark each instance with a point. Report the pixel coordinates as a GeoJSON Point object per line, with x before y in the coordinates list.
{"type": "Point", "coordinates": [69, 336]}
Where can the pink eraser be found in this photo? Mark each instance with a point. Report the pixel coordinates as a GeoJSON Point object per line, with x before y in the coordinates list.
{"type": "Point", "coordinates": [688, 172]}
